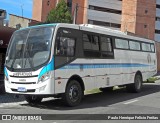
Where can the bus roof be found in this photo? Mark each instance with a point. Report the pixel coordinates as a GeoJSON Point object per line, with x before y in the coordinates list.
{"type": "Point", "coordinates": [94, 28]}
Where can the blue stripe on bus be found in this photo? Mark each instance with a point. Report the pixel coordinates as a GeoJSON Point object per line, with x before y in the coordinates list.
{"type": "Point", "coordinates": [47, 68]}
{"type": "Point", "coordinates": [109, 65]}
{"type": "Point", "coordinates": [5, 72]}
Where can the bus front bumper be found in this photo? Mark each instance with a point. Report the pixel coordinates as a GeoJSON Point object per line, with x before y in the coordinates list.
{"type": "Point", "coordinates": [44, 88]}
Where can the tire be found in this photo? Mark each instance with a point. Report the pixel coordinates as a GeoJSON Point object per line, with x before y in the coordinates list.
{"type": "Point", "coordinates": [73, 94]}
{"type": "Point", "coordinates": [136, 87]}
{"type": "Point", "coordinates": [107, 89]}
{"type": "Point", "coordinates": [33, 99]}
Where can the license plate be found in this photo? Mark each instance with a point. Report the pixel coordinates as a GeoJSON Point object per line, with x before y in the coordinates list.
{"type": "Point", "coordinates": [22, 89]}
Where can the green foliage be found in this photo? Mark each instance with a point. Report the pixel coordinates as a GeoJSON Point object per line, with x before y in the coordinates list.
{"type": "Point", "coordinates": [60, 14]}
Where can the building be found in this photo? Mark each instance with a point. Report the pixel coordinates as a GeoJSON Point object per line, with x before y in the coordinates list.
{"type": "Point", "coordinates": [140, 17]}
{"type": "Point", "coordinates": [136, 17]}
{"type": "Point", "coordinates": [18, 22]}
{"type": "Point", "coordinates": [157, 27]}
{"type": "Point", "coordinates": [2, 16]}
{"type": "Point", "coordinates": [5, 35]}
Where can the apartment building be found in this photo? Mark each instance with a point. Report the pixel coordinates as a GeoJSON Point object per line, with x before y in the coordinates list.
{"type": "Point", "coordinates": [157, 23]}
{"type": "Point", "coordinates": [2, 16]}
{"type": "Point", "coordinates": [139, 17]}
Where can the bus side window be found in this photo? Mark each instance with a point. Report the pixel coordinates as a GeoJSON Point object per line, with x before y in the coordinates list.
{"type": "Point", "coordinates": [146, 47]}
{"type": "Point", "coordinates": [91, 46]}
{"type": "Point", "coordinates": [65, 46]}
{"type": "Point", "coordinates": [106, 47]}
{"type": "Point", "coordinates": [152, 48]}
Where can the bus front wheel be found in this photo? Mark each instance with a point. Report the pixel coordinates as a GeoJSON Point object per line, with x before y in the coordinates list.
{"type": "Point", "coordinates": [73, 94]}
{"type": "Point", "coordinates": [33, 99]}
{"type": "Point", "coordinates": [137, 85]}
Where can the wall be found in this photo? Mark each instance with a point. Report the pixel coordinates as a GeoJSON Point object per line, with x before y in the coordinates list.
{"type": "Point", "coordinates": [138, 16]}
{"type": "Point", "coordinates": [105, 16]}
{"type": "Point", "coordinates": [41, 8]}
{"type": "Point", "coordinates": [146, 13]}
{"type": "Point", "coordinates": [14, 20]}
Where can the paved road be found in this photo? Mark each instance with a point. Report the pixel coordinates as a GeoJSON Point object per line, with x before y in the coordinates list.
{"type": "Point", "coordinates": [116, 102]}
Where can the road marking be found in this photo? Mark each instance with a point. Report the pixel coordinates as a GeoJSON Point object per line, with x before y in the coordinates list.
{"type": "Point", "coordinates": [132, 101]}
{"type": "Point", "coordinates": [11, 104]}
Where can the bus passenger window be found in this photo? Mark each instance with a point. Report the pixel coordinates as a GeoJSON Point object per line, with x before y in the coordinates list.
{"type": "Point", "coordinates": [121, 43]}
{"type": "Point", "coordinates": [65, 46]}
{"type": "Point", "coordinates": [146, 47]}
{"type": "Point", "coordinates": [106, 44]}
{"type": "Point", "coordinates": [87, 42]}
{"type": "Point", "coordinates": [95, 43]}
{"type": "Point", "coordinates": [134, 45]}
{"type": "Point", "coordinates": [152, 48]}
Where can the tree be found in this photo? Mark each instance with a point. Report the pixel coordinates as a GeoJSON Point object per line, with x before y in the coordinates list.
{"type": "Point", "coordinates": [60, 14]}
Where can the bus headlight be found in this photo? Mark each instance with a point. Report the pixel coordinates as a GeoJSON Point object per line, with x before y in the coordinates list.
{"type": "Point", "coordinates": [44, 77]}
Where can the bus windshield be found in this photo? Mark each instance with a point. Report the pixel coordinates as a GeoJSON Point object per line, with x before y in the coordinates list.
{"type": "Point", "coordinates": [29, 48]}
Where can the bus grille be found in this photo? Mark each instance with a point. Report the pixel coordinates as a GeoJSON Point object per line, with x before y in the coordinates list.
{"type": "Point", "coordinates": [23, 82]}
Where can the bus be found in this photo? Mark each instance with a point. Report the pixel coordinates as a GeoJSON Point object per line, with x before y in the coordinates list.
{"type": "Point", "coordinates": [64, 60]}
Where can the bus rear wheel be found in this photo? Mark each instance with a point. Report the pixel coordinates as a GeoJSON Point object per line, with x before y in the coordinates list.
{"type": "Point", "coordinates": [33, 99]}
{"type": "Point", "coordinates": [136, 86]}
{"type": "Point", "coordinates": [73, 94]}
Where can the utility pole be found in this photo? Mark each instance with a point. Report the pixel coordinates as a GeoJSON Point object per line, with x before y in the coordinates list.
{"type": "Point", "coordinates": [75, 14]}
{"type": "Point", "coordinates": [22, 9]}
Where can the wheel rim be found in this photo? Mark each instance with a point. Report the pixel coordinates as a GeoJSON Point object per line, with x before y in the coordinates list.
{"type": "Point", "coordinates": [138, 82]}
{"type": "Point", "coordinates": [73, 93]}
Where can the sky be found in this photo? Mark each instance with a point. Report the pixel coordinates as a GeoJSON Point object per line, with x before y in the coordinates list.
{"type": "Point", "coordinates": [15, 7]}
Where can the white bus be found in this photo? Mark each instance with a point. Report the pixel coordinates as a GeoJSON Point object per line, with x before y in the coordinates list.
{"type": "Point", "coordinates": [65, 60]}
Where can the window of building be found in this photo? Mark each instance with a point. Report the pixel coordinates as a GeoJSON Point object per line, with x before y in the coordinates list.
{"type": "Point", "coordinates": [145, 26]}
{"type": "Point", "coordinates": [134, 45]}
{"type": "Point", "coordinates": [157, 31]}
{"type": "Point", "coordinates": [158, 6]}
{"type": "Point", "coordinates": [146, 47]}
{"type": "Point", "coordinates": [105, 9]}
{"type": "Point", "coordinates": [121, 43]}
{"type": "Point", "coordinates": [146, 11]}
{"type": "Point", "coordinates": [48, 2]}
{"type": "Point", "coordinates": [157, 18]}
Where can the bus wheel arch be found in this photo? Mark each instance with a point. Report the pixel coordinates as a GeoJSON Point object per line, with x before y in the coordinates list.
{"type": "Point", "coordinates": [79, 79]}
{"type": "Point", "coordinates": [137, 85]}
{"type": "Point", "coordinates": [139, 73]}
{"type": "Point", "coordinates": [74, 91]}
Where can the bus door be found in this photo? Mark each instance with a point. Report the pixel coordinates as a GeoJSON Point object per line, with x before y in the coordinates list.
{"type": "Point", "coordinates": [65, 56]}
